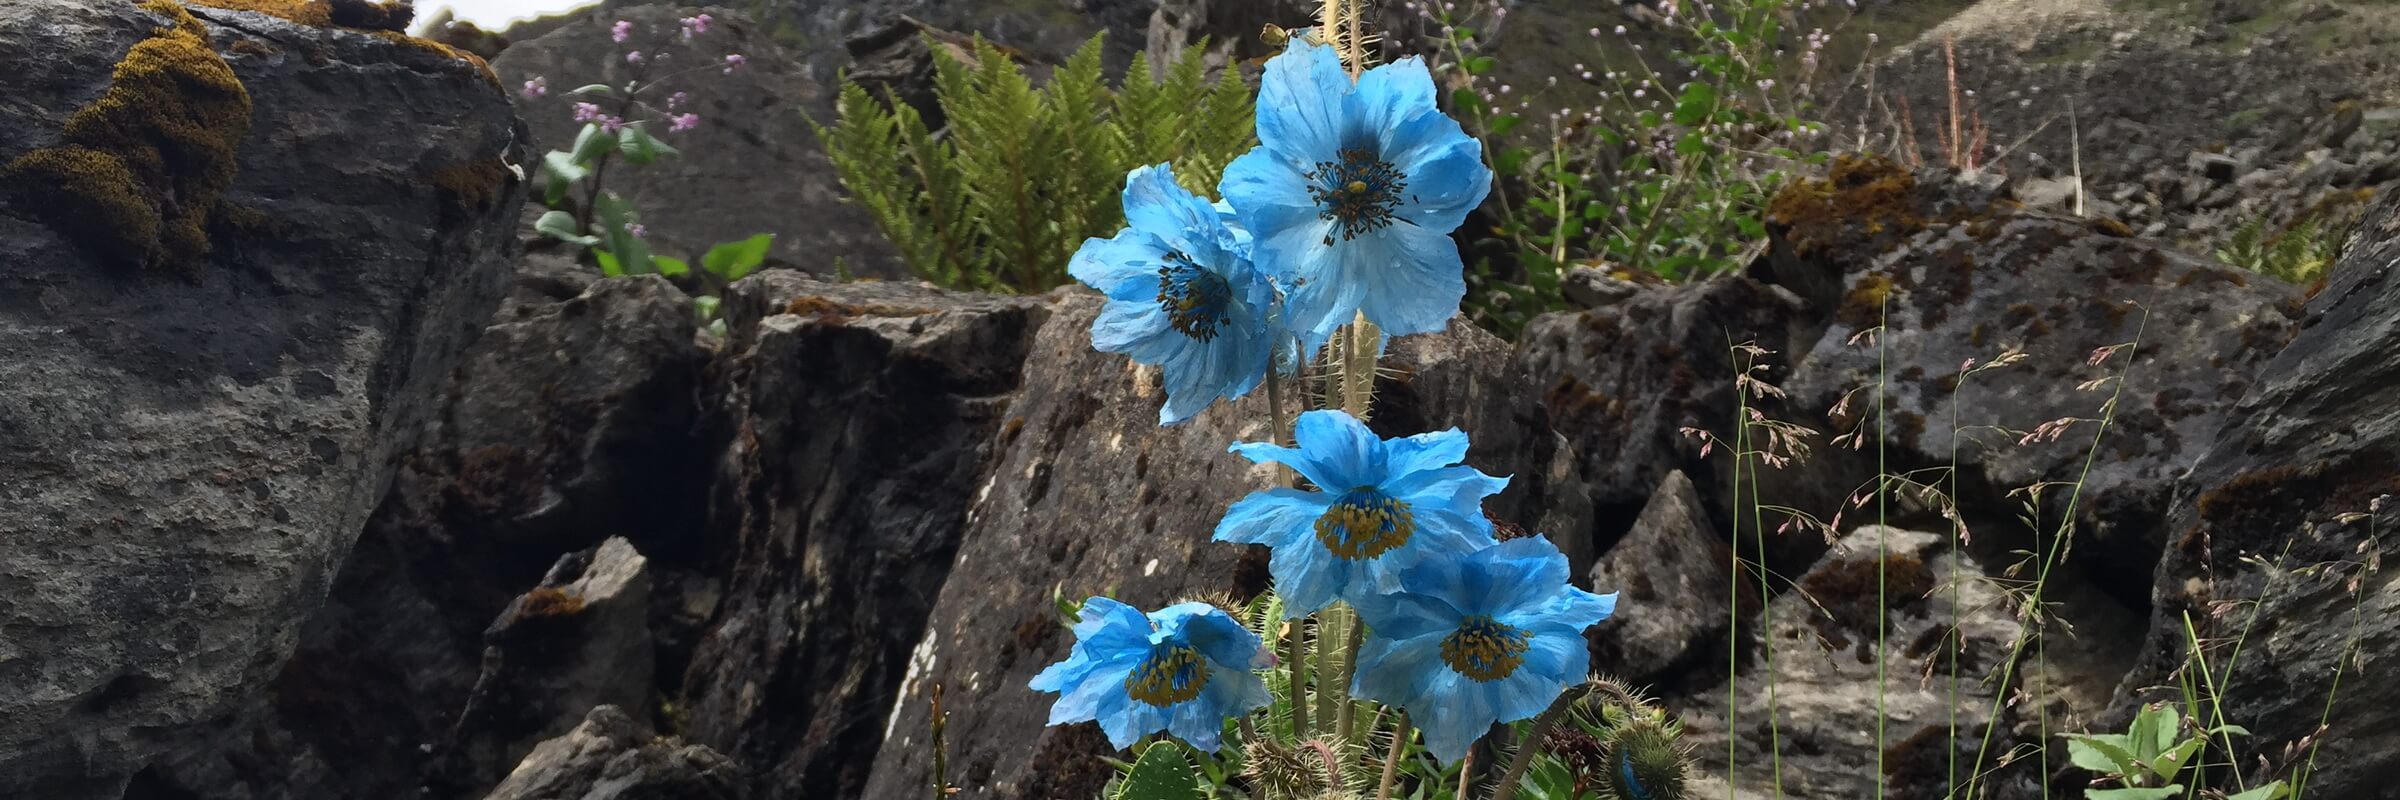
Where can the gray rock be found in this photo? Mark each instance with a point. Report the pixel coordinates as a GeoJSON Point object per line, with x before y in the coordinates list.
{"type": "Point", "coordinates": [1670, 574]}
{"type": "Point", "coordinates": [1592, 287]}
{"type": "Point", "coordinates": [574, 418]}
{"type": "Point", "coordinates": [1623, 381]}
{"type": "Point", "coordinates": [612, 757]}
{"type": "Point", "coordinates": [580, 640]}
{"type": "Point", "coordinates": [1817, 646]}
{"type": "Point", "coordinates": [752, 166]}
{"type": "Point", "coordinates": [1087, 493]}
{"type": "Point", "coordinates": [862, 417]}
{"type": "Point", "coordinates": [1974, 285]}
{"type": "Point", "coordinates": [189, 446]}
{"type": "Point", "coordinates": [2283, 505]}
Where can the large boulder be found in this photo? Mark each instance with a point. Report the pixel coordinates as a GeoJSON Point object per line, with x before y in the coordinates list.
{"type": "Point", "coordinates": [574, 418]}
{"type": "Point", "coordinates": [238, 253]}
{"type": "Point", "coordinates": [2277, 535]}
{"type": "Point", "coordinates": [1087, 493]}
{"type": "Point", "coordinates": [862, 417]}
{"type": "Point", "coordinates": [750, 167]}
{"type": "Point", "coordinates": [1952, 274]}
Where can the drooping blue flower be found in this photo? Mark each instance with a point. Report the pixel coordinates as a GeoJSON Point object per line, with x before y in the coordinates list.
{"type": "Point", "coordinates": [1467, 642]}
{"type": "Point", "coordinates": [1353, 191]}
{"type": "Point", "coordinates": [1182, 294]}
{"type": "Point", "coordinates": [1183, 669]}
{"type": "Point", "coordinates": [1380, 505]}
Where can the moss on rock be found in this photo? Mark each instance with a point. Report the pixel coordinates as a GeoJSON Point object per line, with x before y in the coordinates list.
{"type": "Point", "coordinates": [137, 173]}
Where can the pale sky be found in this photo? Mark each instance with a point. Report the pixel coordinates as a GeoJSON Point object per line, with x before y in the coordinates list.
{"type": "Point", "coordinates": [494, 15]}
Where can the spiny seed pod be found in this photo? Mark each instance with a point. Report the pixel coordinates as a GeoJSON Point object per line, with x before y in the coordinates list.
{"type": "Point", "coordinates": [1280, 771]}
{"type": "Point", "coordinates": [1643, 762]}
{"type": "Point", "coordinates": [1581, 751]}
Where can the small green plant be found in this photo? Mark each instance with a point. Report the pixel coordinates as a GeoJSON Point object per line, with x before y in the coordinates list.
{"type": "Point", "coordinates": [2298, 252]}
{"type": "Point", "coordinates": [618, 124]}
{"type": "Point", "coordinates": [1668, 175]}
{"type": "Point", "coordinates": [1001, 198]}
{"type": "Point", "coordinates": [2144, 762]}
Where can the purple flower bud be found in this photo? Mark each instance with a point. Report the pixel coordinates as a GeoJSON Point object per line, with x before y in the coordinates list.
{"type": "Point", "coordinates": [676, 100]}
{"type": "Point", "coordinates": [537, 87]}
{"type": "Point", "coordinates": [683, 122]}
{"type": "Point", "coordinates": [637, 230]}
{"type": "Point", "coordinates": [586, 112]}
{"type": "Point", "coordinates": [634, 57]}
{"type": "Point", "coordinates": [622, 31]}
{"type": "Point", "coordinates": [732, 61]}
{"type": "Point", "coordinates": [612, 124]}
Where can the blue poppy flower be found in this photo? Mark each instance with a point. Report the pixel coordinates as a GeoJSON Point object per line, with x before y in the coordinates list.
{"type": "Point", "coordinates": [1182, 294]}
{"type": "Point", "coordinates": [1183, 669]}
{"type": "Point", "coordinates": [1467, 642]}
{"type": "Point", "coordinates": [1380, 505]}
{"type": "Point", "coordinates": [1353, 191]}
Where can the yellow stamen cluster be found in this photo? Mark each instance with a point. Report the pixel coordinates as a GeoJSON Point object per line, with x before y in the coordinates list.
{"type": "Point", "coordinates": [1170, 675]}
{"type": "Point", "coordinates": [1485, 649]}
{"type": "Point", "coordinates": [1365, 524]}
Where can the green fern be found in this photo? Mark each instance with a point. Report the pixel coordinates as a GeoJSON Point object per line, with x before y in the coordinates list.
{"type": "Point", "coordinates": [1001, 199]}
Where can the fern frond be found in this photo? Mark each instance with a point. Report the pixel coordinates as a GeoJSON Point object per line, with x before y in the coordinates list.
{"type": "Point", "coordinates": [1085, 183]}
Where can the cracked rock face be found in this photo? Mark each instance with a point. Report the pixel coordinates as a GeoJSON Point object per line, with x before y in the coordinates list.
{"type": "Point", "coordinates": [191, 435]}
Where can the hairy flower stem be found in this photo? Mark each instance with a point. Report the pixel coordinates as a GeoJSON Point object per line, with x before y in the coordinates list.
{"type": "Point", "coordinates": [1293, 656]}
{"type": "Point", "coordinates": [1347, 720]}
{"type": "Point", "coordinates": [1401, 733]}
{"type": "Point", "coordinates": [1333, 630]}
{"type": "Point", "coordinates": [1532, 745]}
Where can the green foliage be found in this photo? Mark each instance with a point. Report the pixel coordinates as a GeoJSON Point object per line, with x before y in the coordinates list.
{"type": "Point", "coordinates": [1670, 175]}
{"type": "Point", "coordinates": [2146, 759]}
{"type": "Point", "coordinates": [1161, 773]}
{"type": "Point", "coordinates": [1001, 199]}
{"type": "Point", "coordinates": [2298, 252]}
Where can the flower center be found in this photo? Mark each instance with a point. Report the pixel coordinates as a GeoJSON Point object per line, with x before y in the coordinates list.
{"type": "Point", "coordinates": [1485, 649]}
{"type": "Point", "coordinates": [1365, 523]}
{"type": "Point", "coordinates": [1172, 674]}
{"type": "Point", "coordinates": [1360, 191]}
{"type": "Point", "coordinates": [1198, 302]}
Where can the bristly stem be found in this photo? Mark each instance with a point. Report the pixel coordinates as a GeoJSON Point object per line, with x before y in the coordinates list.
{"type": "Point", "coordinates": [1391, 759]}
{"type": "Point", "coordinates": [1293, 653]}
{"type": "Point", "coordinates": [1345, 718]}
{"type": "Point", "coordinates": [1533, 741]}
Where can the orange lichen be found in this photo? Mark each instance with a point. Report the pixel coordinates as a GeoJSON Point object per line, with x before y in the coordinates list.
{"type": "Point", "coordinates": [483, 71]}
{"type": "Point", "coordinates": [548, 601]}
{"type": "Point", "coordinates": [474, 185]}
{"type": "Point", "coordinates": [137, 173]}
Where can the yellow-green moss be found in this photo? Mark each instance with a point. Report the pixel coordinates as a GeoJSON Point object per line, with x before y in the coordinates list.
{"type": "Point", "coordinates": [314, 13]}
{"type": "Point", "coordinates": [473, 62]}
{"type": "Point", "coordinates": [1862, 306]}
{"type": "Point", "coordinates": [137, 173]}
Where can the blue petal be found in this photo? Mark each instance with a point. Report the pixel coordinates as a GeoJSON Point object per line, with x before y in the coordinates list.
{"type": "Point", "coordinates": [1413, 278]}
{"type": "Point", "coordinates": [1300, 102]}
{"type": "Point", "coordinates": [1526, 573]}
{"type": "Point", "coordinates": [1211, 631]}
{"type": "Point", "coordinates": [1398, 671]}
{"type": "Point", "coordinates": [1454, 721]}
{"type": "Point", "coordinates": [1521, 695]}
{"type": "Point", "coordinates": [1337, 452]}
{"type": "Point", "coordinates": [1406, 615]}
{"type": "Point", "coordinates": [1130, 720]}
{"type": "Point", "coordinates": [1124, 267]}
{"type": "Point", "coordinates": [1424, 451]}
{"type": "Point", "coordinates": [1307, 576]}
{"type": "Point", "coordinates": [1444, 169]}
{"type": "Point", "coordinates": [1565, 658]}
{"type": "Point", "coordinates": [1394, 94]}
{"type": "Point", "coordinates": [1082, 702]}
{"type": "Point", "coordinates": [1131, 328]}
{"type": "Point", "coordinates": [1460, 489]}
{"type": "Point", "coordinates": [1154, 202]}
{"type": "Point", "coordinates": [1273, 517]}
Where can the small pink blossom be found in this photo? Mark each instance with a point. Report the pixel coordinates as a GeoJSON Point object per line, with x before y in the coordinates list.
{"type": "Point", "coordinates": [622, 31]}
{"type": "Point", "coordinates": [683, 122]}
{"type": "Point", "coordinates": [693, 26]}
{"type": "Point", "coordinates": [637, 230]}
{"type": "Point", "coordinates": [587, 112]}
{"type": "Point", "coordinates": [634, 57]}
{"type": "Point", "coordinates": [612, 124]}
{"type": "Point", "coordinates": [676, 100]}
{"type": "Point", "coordinates": [733, 61]}
{"type": "Point", "coordinates": [537, 87]}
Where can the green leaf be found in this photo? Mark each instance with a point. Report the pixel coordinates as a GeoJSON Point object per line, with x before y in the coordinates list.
{"type": "Point", "coordinates": [638, 146]}
{"type": "Point", "coordinates": [1465, 100]}
{"type": "Point", "coordinates": [590, 143]}
{"type": "Point", "coordinates": [1478, 65]}
{"type": "Point", "coordinates": [669, 266]}
{"type": "Point", "coordinates": [2104, 753]}
{"type": "Point", "coordinates": [563, 172]}
{"type": "Point", "coordinates": [616, 221]}
{"type": "Point", "coordinates": [595, 88]}
{"type": "Point", "coordinates": [707, 306]}
{"type": "Point", "coordinates": [2154, 731]}
{"type": "Point", "coordinates": [2134, 793]}
{"type": "Point", "coordinates": [2236, 730]}
{"type": "Point", "coordinates": [1511, 160]}
{"type": "Point", "coordinates": [733, 260]}
{"type": "Point", "coordinates": [560, 225]}
{"type": "Point", "coordinates": [1504, 123]}
{"type": "Point", "coordinates": [2170, 763]}
{"type": "Point", "coordinates": [1698, 103]}
{"type": "Point", "coordinates": [608, 264]}
{"type": "Point", "coordinates": [1161, 773]}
